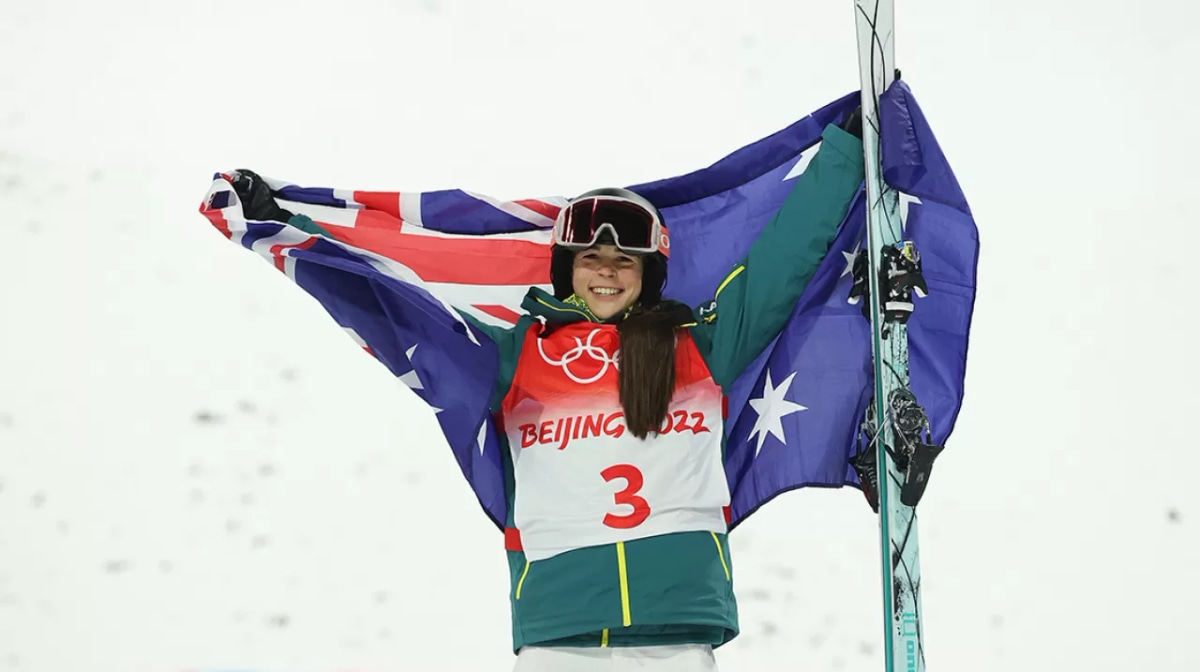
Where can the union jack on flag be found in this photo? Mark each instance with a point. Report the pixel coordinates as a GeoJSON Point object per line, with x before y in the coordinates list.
{"type": "Point", "coordinates": [395, 269]}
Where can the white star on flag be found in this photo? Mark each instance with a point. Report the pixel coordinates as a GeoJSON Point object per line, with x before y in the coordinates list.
{"type": "Point", "coordinates": [771, 407]}
{"type": "Point", "coordinates": [483, 433]}
{"type": "Point", "coordinates": [413, 381]}
{"type": "Point", "coordinates": [410, 378]}
{"type": "Point", "coordinates": [850, 257]}
{"type": "Point", "coordinates": [852, 253]}
{"type": "Point", "coordinates": [905, 202]}
{"type": "Point", "coordinates": [802, 165]}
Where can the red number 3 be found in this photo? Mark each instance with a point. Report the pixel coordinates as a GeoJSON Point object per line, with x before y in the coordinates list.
{"type": "Point", "coordinates": [634, 482]}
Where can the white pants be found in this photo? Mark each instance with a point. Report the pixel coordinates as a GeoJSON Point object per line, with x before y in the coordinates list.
{"type": "Point", "coordinates": [675, 658]}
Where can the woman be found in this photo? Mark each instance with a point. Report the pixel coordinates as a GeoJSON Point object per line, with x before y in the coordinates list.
{"type": "Point", "coordinates": [610, 400]}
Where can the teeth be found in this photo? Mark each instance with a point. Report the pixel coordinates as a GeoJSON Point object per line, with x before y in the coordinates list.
{"type": "Point", "coordinates": [606, 291]}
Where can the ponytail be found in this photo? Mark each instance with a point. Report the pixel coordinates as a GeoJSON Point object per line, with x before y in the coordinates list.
{"type": "Point", "coordinates": [646, 378]}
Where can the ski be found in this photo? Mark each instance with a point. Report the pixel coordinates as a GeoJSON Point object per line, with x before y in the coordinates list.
{"type": "Point", "coordinates": [895, 458]}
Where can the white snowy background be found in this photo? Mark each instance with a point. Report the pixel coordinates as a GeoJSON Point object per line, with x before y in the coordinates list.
{"type": "Point", "coordinates": [200, 471]}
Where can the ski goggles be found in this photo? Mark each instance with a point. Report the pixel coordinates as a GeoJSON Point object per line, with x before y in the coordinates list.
{"type": "Point", "coordinates": [633, 227]}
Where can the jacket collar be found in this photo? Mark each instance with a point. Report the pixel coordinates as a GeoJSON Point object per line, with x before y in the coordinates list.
{"type": "Point", "coordinates": [540, 303]}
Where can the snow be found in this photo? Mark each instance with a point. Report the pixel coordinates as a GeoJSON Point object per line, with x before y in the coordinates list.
{"type": "Point", "coordinates": [199, 471]}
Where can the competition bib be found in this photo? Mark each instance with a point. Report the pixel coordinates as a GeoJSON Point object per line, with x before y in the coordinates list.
{"type": "Point", "coordinates": [581, 478]}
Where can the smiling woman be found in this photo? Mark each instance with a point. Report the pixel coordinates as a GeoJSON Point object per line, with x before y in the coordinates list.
{"type": "Point", "coordinates": [607, 278]}
{"type": "Point", "coordinates": [611, 401]}
{"type": "Point", "coordinates": [612, 245]}
{"type": "Point", "coordinates": [611, 394]}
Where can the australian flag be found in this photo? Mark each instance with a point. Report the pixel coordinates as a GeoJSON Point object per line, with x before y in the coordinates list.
{"type": "Point", "coordinates": [398, 271]}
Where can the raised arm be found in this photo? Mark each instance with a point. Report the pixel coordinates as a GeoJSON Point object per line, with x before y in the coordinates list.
{"type": "Point", "coordinates": [449, 362]}
{"type": "Point", "coordinates": [756, 298]}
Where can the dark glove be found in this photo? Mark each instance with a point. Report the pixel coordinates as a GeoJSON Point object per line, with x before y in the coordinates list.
{"type": "Point", "coordinates": [853, 123]}
{"type": "Point", "coordinates": [258, 203]}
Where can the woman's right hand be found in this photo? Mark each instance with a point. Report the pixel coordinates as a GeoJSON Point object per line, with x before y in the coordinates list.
{"type": "Point", "coordinates": [258, 203]}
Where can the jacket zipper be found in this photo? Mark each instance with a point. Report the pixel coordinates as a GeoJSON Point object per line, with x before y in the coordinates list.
{"type": "Point", "coordinates": [721, 554]}
{"type": "Point", "coordinates": [626, 619]}
{"type": "Point", "coordinates": [521, 581]}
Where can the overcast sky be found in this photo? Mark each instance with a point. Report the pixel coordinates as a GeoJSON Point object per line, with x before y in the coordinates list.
{"type": "Point", "coordinates": [200, 471]}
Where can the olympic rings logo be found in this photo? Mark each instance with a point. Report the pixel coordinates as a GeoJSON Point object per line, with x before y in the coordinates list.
{"type": "Point", "coordinates": [594, 352]}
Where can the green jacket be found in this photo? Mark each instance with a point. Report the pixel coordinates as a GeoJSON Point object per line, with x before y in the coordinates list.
{"type": "Point", "coordinates": [678, 588]}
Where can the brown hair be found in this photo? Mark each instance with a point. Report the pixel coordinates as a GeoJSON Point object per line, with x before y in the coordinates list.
{"type": "Point", "coordinates": [646, 378]}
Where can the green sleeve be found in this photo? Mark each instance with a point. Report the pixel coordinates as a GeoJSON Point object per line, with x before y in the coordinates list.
{"type": "Point", "coordinates": [755, 300]}
{"type": "Point", "coordinates": [509, 341]}
{"type": "Point", "coordinates": [307, 225]}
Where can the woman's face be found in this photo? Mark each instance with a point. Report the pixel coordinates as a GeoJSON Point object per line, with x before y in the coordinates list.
{"type": "Point", "coordinates": [607, 279]}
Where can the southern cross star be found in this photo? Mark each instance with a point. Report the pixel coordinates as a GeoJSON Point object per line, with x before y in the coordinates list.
{"type": "Point", "coordinates": [771, 407]}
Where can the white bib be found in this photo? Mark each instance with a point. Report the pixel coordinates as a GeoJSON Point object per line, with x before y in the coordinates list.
{"type": "Point", "coordinates": [581, 478]}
